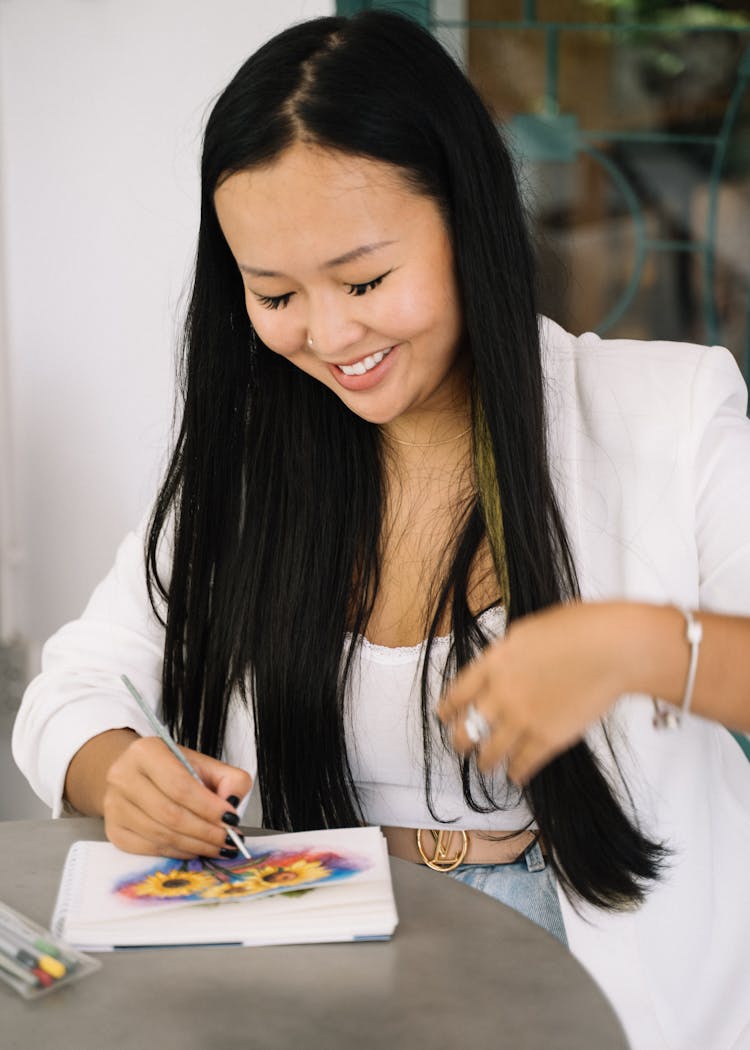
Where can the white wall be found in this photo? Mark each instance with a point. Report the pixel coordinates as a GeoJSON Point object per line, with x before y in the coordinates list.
{"type": "Point", "coordinates": [101, 108]}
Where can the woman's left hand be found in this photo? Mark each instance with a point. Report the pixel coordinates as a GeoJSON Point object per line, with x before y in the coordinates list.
{"type": "Point", "coordinates": [539, 688]}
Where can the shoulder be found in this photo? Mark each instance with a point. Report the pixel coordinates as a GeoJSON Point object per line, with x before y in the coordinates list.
{"type": "Point", "coordinates": [595, 376]}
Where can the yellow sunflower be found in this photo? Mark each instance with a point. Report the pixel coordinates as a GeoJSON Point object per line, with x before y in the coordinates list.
{"type": "Point", "coordinates": [229, 890]}
{"type": "Point", "coordinates": [172, 884]}
{"type": "Point", "coordinates": [294, 873]}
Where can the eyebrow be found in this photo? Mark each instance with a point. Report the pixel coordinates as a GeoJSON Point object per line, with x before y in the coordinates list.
{"type": "Point", "coordinates": [340, 260]}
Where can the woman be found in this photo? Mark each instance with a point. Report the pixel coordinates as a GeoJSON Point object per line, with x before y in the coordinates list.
{"type": "Point", "coordinates": [384, 458]}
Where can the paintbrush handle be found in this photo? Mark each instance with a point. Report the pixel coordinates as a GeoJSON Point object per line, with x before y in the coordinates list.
{"type": "Point", "coordinates": [162, 733]}
{"type": "Point", "coordinates": [157, 727]}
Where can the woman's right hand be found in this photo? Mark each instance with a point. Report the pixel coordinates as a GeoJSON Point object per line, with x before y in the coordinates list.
{"type": "Point", "coordinates": [149, 801]}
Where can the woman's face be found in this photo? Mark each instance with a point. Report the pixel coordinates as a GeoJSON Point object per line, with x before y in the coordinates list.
{"type": "Point", "coordinates": [349, 274]}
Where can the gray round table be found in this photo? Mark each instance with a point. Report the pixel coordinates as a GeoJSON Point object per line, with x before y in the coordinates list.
{"type": "Point", "coordinates": [461, 971]}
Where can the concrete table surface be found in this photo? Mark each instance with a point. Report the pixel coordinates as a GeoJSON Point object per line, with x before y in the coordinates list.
{"type": "Point", "coordinates": [461, 971]}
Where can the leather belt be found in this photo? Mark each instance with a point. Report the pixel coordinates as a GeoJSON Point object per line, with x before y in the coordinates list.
{"type": "Point", "coordinates": [443, 849]}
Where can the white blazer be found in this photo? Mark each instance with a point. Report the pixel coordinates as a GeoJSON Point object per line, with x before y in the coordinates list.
{"type": "Point", "coordinates": [650, 453]}
{"type": "Point", "coordinates": [651, 448]}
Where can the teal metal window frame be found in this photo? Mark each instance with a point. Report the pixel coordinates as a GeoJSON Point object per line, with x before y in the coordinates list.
{"type": "Point", "coordinates": [419, 10]}
{"type": "Point", "coordinates": [550, 134]}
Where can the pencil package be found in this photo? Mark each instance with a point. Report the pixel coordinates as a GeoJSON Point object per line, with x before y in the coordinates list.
{"type": "Point", "coordinates": [33, 961]}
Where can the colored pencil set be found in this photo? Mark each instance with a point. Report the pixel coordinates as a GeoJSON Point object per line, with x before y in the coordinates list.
{"type": "Point", "coordinates": [32, 960]}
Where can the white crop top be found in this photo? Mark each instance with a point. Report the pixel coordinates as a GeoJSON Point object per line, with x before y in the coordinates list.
{"type": "Point", "coordinates": [384, 742]}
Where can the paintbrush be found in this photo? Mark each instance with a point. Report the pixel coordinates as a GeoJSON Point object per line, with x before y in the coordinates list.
{"type": "Point", "coordinates": [162, 733]}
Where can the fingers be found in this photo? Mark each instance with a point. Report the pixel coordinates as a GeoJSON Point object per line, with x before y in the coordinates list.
{"type": "Point", "coordinates": [471, 727]}
{"type": "Point", "coordinates": [500, 750]}
{"type": "Point", "coordinates": [167, 816]}
{"type": "Point", "coordinates": [153, 805]}
{"type": "Point", "coordinates": [471, 681]}
{"type": "Point", "coordinates": [511, 742]}
{"type": "Point", "coordinates": [225, 781]}
{"type": "Point", "coordinates": [496, 750]}
{"type": "Point", "coordinates": [526, 761]}
{"type": "Point", "coordinates": [129, 828]}
{"type": "Point", "coordinates": [540, 687]}
{"type": "Point", "coordinates": [477, 689]}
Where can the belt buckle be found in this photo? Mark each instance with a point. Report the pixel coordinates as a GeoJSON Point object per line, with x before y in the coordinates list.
{"type": "Point", "coordinates": [440, 859]}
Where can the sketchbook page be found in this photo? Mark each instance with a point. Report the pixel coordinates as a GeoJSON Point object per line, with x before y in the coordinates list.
{"type": "Point", "coordinates": [104, 883]}
{"type": "Point", "coordinates": [107, 896]}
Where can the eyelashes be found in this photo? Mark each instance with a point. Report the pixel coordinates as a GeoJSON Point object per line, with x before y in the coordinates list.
{"type": "Point", "coordinates": [360, 289]}
{"type": "Point", "coordinates": [276, 302]}
{"type": "Point", "coordinates": [273, 302]}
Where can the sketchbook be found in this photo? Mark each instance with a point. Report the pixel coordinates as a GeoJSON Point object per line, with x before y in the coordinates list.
{"type": "Point", "coordinates": [297, 888]}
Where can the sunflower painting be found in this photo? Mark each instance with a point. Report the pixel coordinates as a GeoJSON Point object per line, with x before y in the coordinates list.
{"type": "Point", "coordinates": [205, 880]}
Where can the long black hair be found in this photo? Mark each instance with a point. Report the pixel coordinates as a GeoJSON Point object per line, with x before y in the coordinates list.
{"type": "Point", "coordinates": [274, 495]}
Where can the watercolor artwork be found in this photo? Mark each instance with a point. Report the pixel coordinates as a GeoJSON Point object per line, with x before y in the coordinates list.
{"type": "Point", "coordinates": [205, 880]}
{"type": "Point", "coordinates": [302, 887]}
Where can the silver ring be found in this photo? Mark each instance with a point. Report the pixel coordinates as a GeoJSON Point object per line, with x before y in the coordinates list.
{"type": "Point", "coordinates": [476, 726]}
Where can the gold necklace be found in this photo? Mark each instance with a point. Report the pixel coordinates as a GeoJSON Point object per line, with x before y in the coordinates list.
{"type": "Point", "coordinates": [428, 444]}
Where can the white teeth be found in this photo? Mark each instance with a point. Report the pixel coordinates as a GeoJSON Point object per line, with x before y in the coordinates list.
{"type": "Point", "coordinates": [359, 368]}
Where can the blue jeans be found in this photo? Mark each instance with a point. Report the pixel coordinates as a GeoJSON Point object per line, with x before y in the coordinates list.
{"type": "Point", "coordinates": [527, 885]}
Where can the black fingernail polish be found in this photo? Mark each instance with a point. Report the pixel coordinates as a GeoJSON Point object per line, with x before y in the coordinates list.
{"type": "Point", "coordinates": [229, 841]}
{"type": "Point", "coordinates": [230, 854]}
{"type": "Point", "coordinates": [231, 818]}
{"type": "Point", "coordinates": [233, 801]}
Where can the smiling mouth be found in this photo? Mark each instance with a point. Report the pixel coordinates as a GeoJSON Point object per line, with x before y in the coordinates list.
{"type": "Point", "coordinates": [366, 364]}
